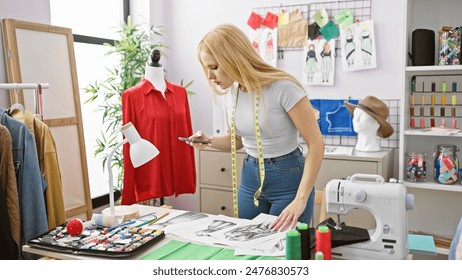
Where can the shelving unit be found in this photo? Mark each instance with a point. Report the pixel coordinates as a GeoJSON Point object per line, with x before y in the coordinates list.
{"type": "Point", "coordinates": [438, 207]}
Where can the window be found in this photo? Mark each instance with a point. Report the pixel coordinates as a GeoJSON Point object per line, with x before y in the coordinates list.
{"type": "Point", "coordinates": [92, 23]}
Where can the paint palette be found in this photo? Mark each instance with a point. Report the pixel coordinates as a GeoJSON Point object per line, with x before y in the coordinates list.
{"type": "Point", "coordinates": [123, 241]}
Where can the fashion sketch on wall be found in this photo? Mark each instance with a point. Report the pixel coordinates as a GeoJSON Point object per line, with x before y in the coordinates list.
{"type": "Point", "coordinates": [358, 46]}
{"type": "Point", "coordinates": [264, 41]}
{"type": "Point", "coordinates": [319, 62]}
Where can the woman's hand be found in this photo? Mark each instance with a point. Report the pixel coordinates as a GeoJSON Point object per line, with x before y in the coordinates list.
{"type": "Point", "coordinates": [204, 139]}
{"type": "Point", "coordinates": [289, 216]}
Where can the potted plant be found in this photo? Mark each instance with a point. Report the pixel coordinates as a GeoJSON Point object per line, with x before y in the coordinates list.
{"type": "Point", "coordinates": [133, 49]}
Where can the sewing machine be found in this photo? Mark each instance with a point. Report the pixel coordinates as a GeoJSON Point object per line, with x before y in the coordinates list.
{"type": "Point", "coordinates": [387, 202]}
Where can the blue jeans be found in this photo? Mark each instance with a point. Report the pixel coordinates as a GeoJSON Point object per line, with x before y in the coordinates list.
{"type": "Point", "coordinates": [282, 179]}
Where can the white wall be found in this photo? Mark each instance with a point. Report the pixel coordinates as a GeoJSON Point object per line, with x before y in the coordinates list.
{"type": "Point", "coordinates": [188, 21]}
{"type": "Point", "coordinates": [35, 11]}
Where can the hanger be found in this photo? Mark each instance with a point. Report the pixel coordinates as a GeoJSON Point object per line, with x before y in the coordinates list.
{"type": "Point", "coordinates": [16, 104]}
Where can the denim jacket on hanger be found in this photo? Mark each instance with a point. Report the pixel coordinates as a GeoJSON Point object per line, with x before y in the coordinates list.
{"type": "Point", "coordinates": [31, 185]}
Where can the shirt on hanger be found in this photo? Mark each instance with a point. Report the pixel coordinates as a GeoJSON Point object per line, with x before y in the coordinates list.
{"type": "Point", "coordinates": [160, 121]}
{"type": "Point", "coordinates": [9, 187]}
{"type": "Point", "coordinates": [49, 166]}
{"type": "Point", "coordinates": [29, 179]}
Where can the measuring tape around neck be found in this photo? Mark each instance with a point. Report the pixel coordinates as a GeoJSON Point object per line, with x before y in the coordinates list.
{"type": "Point", "coordinates": [233, 152]}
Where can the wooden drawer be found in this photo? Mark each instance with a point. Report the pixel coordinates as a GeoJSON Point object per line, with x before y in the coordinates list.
{"type": "Point", "coordinates": [215, 168]}
{"type": "Point", "coordinates": [216, 202]}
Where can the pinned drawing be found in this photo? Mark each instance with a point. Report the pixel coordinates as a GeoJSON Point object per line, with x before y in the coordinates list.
{"type": "Point", "coordinates": [358, 46]}
{"type": "Point", "coordinates": [319, 61]}
{"type": "Point", "coordinates": [264, 40]}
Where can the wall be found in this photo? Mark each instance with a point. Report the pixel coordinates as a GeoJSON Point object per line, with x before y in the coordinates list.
{"type": "Point", "coordinates": [35, 11]}
{"type": "Point", "coordinates": [188, 21]}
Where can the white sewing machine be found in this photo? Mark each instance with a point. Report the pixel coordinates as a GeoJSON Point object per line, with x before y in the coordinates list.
{"type": "Point", "coordinates": [387, 202]}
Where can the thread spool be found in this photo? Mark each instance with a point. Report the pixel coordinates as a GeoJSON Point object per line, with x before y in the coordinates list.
{"type": "Point", "coordinates": [319, 256]}
{"type": "Point", "coordinates": [304, 231]}
{"type": "Point", "coordinates": [293, 251]}
{"type": "Point", "coordinates": [323, 242]}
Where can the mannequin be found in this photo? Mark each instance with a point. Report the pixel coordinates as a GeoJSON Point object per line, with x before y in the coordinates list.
{"type": "Point", "coordinates": [369, 121]}
{"type": "Point", "coordinates": [366, 127]}
{"type": "Point", "coordinates": [154, 72]}
{"type": "Point", "coordinates": [160, 119]}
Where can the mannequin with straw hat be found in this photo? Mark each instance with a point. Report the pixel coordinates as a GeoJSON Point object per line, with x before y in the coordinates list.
{"type": "Point", "coordinates": [369, 121]}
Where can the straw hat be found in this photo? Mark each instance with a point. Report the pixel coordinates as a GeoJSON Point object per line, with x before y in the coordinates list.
{"type": "Point", "coordinates": [375, 108]}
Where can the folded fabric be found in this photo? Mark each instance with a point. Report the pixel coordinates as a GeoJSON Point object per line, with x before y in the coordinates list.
{"type": "Point", "coordinates": [313, 31]}
{"type": "Point", "coordinates": [270, 21]}
{"type": "Point", "coordinates": [344, 18]}
{"type": "Point", "coordinates": [329, 31]}
{"type": "Point", "coordinates": [254, 20]}
{"type": "Point", "coordinates": [178, 250]}
{"type": "Point", "coordinates": [347, 235]}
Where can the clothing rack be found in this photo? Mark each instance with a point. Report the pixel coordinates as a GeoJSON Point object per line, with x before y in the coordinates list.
{"type": "Point", "coordinates": [24, 86]}
{"type": "Point", "coordinates": [37, 98]}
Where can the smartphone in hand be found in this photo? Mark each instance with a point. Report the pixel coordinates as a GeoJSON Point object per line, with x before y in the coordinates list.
{"type": "Point", "coordinates": [202, 141]}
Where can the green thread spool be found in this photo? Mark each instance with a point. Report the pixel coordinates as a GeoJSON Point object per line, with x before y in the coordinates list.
{"type": "Point", "coordinates": [319, 256]}
{"type": "Point", "coordinates": [293, 251]}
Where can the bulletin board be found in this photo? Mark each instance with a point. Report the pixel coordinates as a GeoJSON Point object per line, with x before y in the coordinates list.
{"type": "Point", "coordinates": [43, 53]}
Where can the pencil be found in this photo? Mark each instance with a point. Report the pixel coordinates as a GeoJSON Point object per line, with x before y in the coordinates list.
{"type": "Point", "coordinates": [160, 217]}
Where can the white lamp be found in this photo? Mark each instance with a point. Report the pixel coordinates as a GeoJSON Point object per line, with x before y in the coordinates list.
{"type": "Point", "coordinates": [141, 152]}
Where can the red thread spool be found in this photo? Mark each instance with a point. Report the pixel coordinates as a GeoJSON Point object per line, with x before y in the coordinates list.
{"type": "Point", "coordinates": [323, 242]}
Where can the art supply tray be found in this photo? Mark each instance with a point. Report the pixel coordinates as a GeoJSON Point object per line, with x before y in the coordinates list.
{"type": "Point", "coordinates": [121, 242]}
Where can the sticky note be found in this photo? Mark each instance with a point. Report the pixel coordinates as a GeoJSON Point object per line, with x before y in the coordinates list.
{"type": "Point", "coordinates": [344, 18]}
{"type": "Point", "coordinates": [329, 31]}
{"type": "Point", "coordinates": [321, 17]}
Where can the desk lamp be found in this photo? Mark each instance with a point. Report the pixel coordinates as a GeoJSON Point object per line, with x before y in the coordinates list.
{"type": "Point", "coordinates": [141, 152]}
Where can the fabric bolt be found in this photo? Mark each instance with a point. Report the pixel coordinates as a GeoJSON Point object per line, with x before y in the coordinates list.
{"type": "Point", "coordinates": [49, 166]}
{"type": "Point", "coordinates": [29, 179]}
{"type": "Point", "coordinates": [282, 179]}
{"type": "Point", "coordinates": [8, 183]}
{"type": "Point", "coordinates": [160, 121]}
{"type": "Point", "coordinates": [279, 134]}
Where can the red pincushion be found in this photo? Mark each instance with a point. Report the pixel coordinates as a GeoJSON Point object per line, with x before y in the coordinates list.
{"type": "Point", "coordinates": [74, 227]}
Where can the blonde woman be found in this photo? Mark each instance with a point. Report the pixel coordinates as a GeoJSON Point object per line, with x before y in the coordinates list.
{"type": "Point", "coordinates": [270, 135]}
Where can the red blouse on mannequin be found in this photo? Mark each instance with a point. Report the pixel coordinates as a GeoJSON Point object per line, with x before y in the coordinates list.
{"type": "Point", "coordinates": [160, 121]}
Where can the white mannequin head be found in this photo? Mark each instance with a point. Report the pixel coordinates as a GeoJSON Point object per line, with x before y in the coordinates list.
{"type": "Point", "coordinates": [366, 127]}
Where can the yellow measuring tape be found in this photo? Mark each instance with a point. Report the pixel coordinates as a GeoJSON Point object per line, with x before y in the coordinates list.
{"type": "Point", "coordinates": [233, 152]}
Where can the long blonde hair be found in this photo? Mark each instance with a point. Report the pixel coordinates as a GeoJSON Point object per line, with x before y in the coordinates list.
{"type": "Point", "coordinates": [235, 54]}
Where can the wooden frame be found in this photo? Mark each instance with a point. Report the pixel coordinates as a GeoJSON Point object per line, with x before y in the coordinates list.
{"type": "Point", "coordinates": [43, 53]}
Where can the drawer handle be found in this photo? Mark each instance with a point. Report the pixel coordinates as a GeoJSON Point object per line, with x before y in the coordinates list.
{"type": "Point", "coordinates": [223, 208]}
{"type": "Point", "coordinates": [222, 169]}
